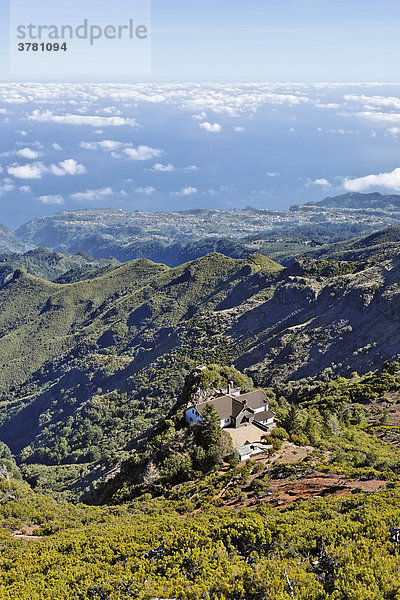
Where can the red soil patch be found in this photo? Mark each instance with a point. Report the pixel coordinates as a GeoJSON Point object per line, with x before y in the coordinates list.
{"type": "Point", "coordinates": [285, 489]}
{"type": "Point", "coordinates": [286, 492]}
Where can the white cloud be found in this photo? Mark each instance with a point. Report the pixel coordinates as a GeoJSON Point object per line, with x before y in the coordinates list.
{"type": "Point", "coordinates": [374, 102]}
{"type": "Point", "coordinates": [148, 191]}
{"type": "Point", "coordinates": [107, 145]}
{"type": "Point", "coordinates": [345, 131]}
{"type": "Point", "coordinates": [37, 170]}
{"type": "Point", "coordinates": [29, 171]}
{"type": "Point", "coordinates": [393, 131]}
{"type": "Point", "coordinates": [28, 153]}
{"type": "Point", "coordinates": [142, 153]}
{"type": "Point", "coordinates": [57, 146]}
{"type": "Point", "coordinates": [386, 180]}
{"type": "Point", "coordinates": [116, 148]}
{"type": "Point", "coordinates": [322, 182]}
{"type": "Point", "coordinates": [273, 174]}
{"type": "Point", "coordinates": [47, 116]}
{"type": "Point", "coordinates": [191, 168]}
{"type": "Point", "coordinates": [25, 189]}
{"type": "Point", "coordinates": [6, 185]}
{"type": "Point", "coordinates": [187, 191]}
{"type": "Point", "coordinates": [200, 117]}
{"type": "Point", "coordinates": [89, 145]}
{"type": "Point", "coordinates": [239, 129]}
{"type": "Point", "coordinates": [163, 168]}
{"type": "Point", "coordinates": [380, 117]}
{"type": "Point", "coordinates": [52, 199]}
{"type": "Point", "coordinates": [67, 167]}
{"type": "Point", "coordinates": [92, 194]}
{"type": "Point", "coordinates": [211, 127]}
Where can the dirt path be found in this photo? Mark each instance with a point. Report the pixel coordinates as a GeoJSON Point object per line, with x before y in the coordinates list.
{"type": "Point", "coordinates": [27, 534]}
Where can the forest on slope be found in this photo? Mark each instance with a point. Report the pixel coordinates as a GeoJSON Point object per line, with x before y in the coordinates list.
{"type": "Point", "coordinates": [89, 368]}
{"type": "Point", "coordinates": [96, 367]}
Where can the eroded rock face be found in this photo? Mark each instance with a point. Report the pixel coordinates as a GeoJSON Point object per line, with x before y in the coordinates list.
{"type": "Point", "coordinates": [18, 274]}
{"type": "Point", "coordinates": [350, 322]}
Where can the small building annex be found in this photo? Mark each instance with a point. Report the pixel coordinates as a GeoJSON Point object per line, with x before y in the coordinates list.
{"type": "Point", "coordinates": [235, 409]}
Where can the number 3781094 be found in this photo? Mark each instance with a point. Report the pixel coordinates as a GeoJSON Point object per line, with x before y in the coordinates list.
{"type": "Point", "coordinates": [35, 47]}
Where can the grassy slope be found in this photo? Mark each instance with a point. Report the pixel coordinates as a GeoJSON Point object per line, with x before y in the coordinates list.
{"type": "Point", "coordinates": [51, 265]}
{"type": "Point", "coordinates": [381, 244]}
{"type": "Point", "coordinates": [41, 319]}
{"type": "Point", "coordinates": [91, 365]}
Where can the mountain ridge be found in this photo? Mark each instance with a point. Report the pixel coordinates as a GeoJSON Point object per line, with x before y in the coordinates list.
{"type": "Point", "coordinates": [176, 237]}
{"type": "Point", "coordinates": [95, 364]}
{"type": "Point", "coordinates": [358, 200]}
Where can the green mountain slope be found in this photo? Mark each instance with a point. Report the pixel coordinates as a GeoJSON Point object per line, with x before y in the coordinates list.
{"type": "Point", "coordinates": [52, 266]}
{"type": "Point", "coordinates": [87, 369]}
{"type": "Point", "coordinates": [376, 246]}
{"type": "Point", "coordinates": [9, 242]}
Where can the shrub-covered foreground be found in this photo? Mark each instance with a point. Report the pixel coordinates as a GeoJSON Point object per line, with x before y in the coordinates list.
{"type": "Point", "coordinates": [324, 549]}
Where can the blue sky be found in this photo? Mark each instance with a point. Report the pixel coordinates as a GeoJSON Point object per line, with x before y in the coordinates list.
{"type": "Point", "coordinates": [170, 143]}
{"type": "Point", "coordinates": [265, 40]}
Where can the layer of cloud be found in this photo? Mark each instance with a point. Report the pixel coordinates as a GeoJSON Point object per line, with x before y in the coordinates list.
{"type": "Point", "coordinates": [47, 116]}
{"type": "Point", "coordinates": [380, 117]}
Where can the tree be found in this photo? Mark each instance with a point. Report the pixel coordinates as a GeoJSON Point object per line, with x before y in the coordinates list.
{"type": "Point", "coordinates": [385, 418]}
{"type": "Point", "coordinates": [151, 475]}
{"type": "Point", "coordinates": [211, 428]}
{"type": "Point", "coordinates": [292, 422]}
{"type": "Point", "coordinates": [333, 425]}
